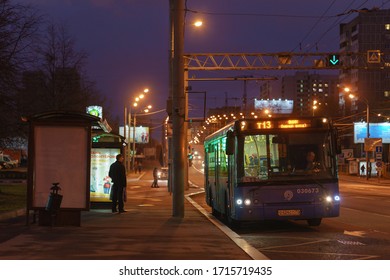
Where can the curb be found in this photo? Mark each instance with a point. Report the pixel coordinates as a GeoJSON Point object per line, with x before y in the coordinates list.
{"type": "Point", "coordinates": [12, 214]}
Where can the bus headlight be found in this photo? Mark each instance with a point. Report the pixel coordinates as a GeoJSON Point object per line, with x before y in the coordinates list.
{"type": "Point", "coordinates": [331, 199]}
{"type": "Point", "coordinates": [246, 202]}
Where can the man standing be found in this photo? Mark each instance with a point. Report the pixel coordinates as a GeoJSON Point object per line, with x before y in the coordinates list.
{"type": "Point", "coordinates": [155, 178]}
{"type": "Point", "coordinates": [118, 176]}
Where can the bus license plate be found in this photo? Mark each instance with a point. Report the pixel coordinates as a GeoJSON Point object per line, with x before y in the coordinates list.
{"type": "Point", "coordinates": [289, 212]}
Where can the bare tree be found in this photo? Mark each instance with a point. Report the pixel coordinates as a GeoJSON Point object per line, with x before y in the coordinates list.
{"type": "Point", "coordinates": [61, 67]}
{"type": "Point", "coordinates": [18, 31]}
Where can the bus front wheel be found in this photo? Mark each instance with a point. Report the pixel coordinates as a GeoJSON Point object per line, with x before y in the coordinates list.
{"type": "Point", "coordinates": [232, 223]}
{"type": "Point", "coordinates": [314, 222]}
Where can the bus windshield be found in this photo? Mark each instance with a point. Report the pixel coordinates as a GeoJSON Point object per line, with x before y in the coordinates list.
{"type": "Point", "coordinates": [274, 157]}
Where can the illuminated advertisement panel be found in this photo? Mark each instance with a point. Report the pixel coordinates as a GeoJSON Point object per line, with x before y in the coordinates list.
{"type": "Point", "coordinates": [101, 159]}
{"type": "Point", "coordinates": [95, 111]}
{"type": "Point", "coordinates": [275, 106]}
{"type": "Point", "coordinates": [377, 130]}
{"type": "Point", "coordinates": [141, 134]}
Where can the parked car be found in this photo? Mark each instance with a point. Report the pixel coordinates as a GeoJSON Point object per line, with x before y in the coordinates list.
{"type": "Point", "coordinates": [7, 162]}
{"type": "Point", "coordinates": [163, 173]}
{"type": "Point", "coordinates": [4, 165]}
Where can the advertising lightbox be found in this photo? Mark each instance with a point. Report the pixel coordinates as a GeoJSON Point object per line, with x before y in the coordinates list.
{"type": "Point", "coordinates": [101, 159]}
{"type": "Point", "coordinates": [141, 134]}
{"type": "Point", "coordinates": [377, 130]}
{"type": "Point", "coordinates": [96, 111]}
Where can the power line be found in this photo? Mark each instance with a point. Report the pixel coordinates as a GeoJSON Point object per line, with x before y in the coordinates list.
{"type": "Point", "coordinates": [254, 14]}
{"type": "Point", "coordinates": [314, 26]}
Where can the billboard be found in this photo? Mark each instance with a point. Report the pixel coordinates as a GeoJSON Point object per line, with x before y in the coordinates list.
{"type": "Point", "coordinates": [276, 106]}
{"type": "Point", "coordinates": [141, 134]}
{"type": "Point", "coordinates": [377, 130]}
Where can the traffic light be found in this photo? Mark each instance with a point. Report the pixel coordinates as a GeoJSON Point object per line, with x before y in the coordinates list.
{"type": "Point", "coordinates": [333, 60]}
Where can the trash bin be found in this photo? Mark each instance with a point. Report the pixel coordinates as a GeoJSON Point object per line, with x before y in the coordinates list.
{"type": "Point", "coordinates": [54, 200]}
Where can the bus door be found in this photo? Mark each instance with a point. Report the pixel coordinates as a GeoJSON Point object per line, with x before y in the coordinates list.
{"type": "Point", "coordinates": [222, 174]}
{"type": "Point", "coordinates": [211, 173]}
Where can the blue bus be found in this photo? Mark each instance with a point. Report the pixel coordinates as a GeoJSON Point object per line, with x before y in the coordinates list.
{"type": "Point", "coordinates": [273, 169]}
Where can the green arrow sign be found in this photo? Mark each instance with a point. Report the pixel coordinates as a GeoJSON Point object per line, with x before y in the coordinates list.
{"type": "Point", "coordinates": [334, 60]}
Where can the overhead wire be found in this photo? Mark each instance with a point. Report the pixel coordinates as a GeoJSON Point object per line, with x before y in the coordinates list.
{"type": "Point", "coordinates": [314, 26]}
{"type": "Point", "coordinates": [340, 17]}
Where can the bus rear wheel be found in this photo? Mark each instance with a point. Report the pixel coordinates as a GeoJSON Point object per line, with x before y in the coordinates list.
{"type": "Point", "coordinates": [314, 222]}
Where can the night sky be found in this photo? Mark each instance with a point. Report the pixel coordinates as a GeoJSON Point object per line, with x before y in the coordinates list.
{"type": "Point", "coordinates": [128, 40]}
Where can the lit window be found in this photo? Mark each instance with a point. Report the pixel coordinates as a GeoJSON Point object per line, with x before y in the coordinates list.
{"type": "Point", "coordinates": [387, 26]}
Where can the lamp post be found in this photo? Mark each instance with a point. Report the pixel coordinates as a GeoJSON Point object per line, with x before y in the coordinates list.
{"type": "Point", "coordinates": [368, 165]}
{"type": "Point", "coordinates": [128, 116]}
{"type": "Point", "coordinates": [125, 149]}
{"type": "Point", "coordinates": [135, 125]}
{"type": "Point", "coordinates": [179, 106]}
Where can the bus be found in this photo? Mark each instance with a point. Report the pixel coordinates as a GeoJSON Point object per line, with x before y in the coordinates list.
{"type": "Point", "coordinates": [273, 169]}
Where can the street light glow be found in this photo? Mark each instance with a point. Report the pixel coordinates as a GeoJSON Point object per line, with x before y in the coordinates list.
{"type": "Point", "coordinates": [198, 23]}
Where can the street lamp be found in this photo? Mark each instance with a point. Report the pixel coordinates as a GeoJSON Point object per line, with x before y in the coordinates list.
{"type": "Point", "coordinates": [352, 96]}
{"type": "Point", "coordinates": [134, 104]}
{"type": "Point", "coordinates": [198, 23]}
{"type": "Point", "coordinates": [314, 106]}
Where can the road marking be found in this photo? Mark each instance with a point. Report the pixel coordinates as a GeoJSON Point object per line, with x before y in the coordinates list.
{"type": "Point", "coordinates": [348, 242]}
{"type": "Point", "coordinates": [297, 244]}
{"type": "Point", "coordinates": [357, 233]}
{"type": "Point", "coordinates": [359, 256]}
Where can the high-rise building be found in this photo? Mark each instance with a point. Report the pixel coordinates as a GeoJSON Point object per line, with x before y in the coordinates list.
{"type": "Point", "coordinates": [313, 94]}
{"type": "Point", "coordinates": [368, 31]}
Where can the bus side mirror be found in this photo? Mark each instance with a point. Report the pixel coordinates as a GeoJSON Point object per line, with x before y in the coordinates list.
{"type": "Point", "coordinates": [229, 143]}
{"type": "Point", "coordinates": [337, 142]}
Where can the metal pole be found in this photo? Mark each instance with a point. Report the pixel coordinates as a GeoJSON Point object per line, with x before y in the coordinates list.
{"type": "Point", "coordinates": [134, 153]}
{"type": "Point", "coordinates": [125, 135]}
{"type": "Point", "coordinates": [368, 136]}
{"type": "Point", "coordinates": [129, 158]}
{"type": "Point", "coordinates": [178, 110]}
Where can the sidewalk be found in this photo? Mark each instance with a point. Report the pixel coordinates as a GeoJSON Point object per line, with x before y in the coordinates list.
{"type": "Point", "coordinates": [146, 232]}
